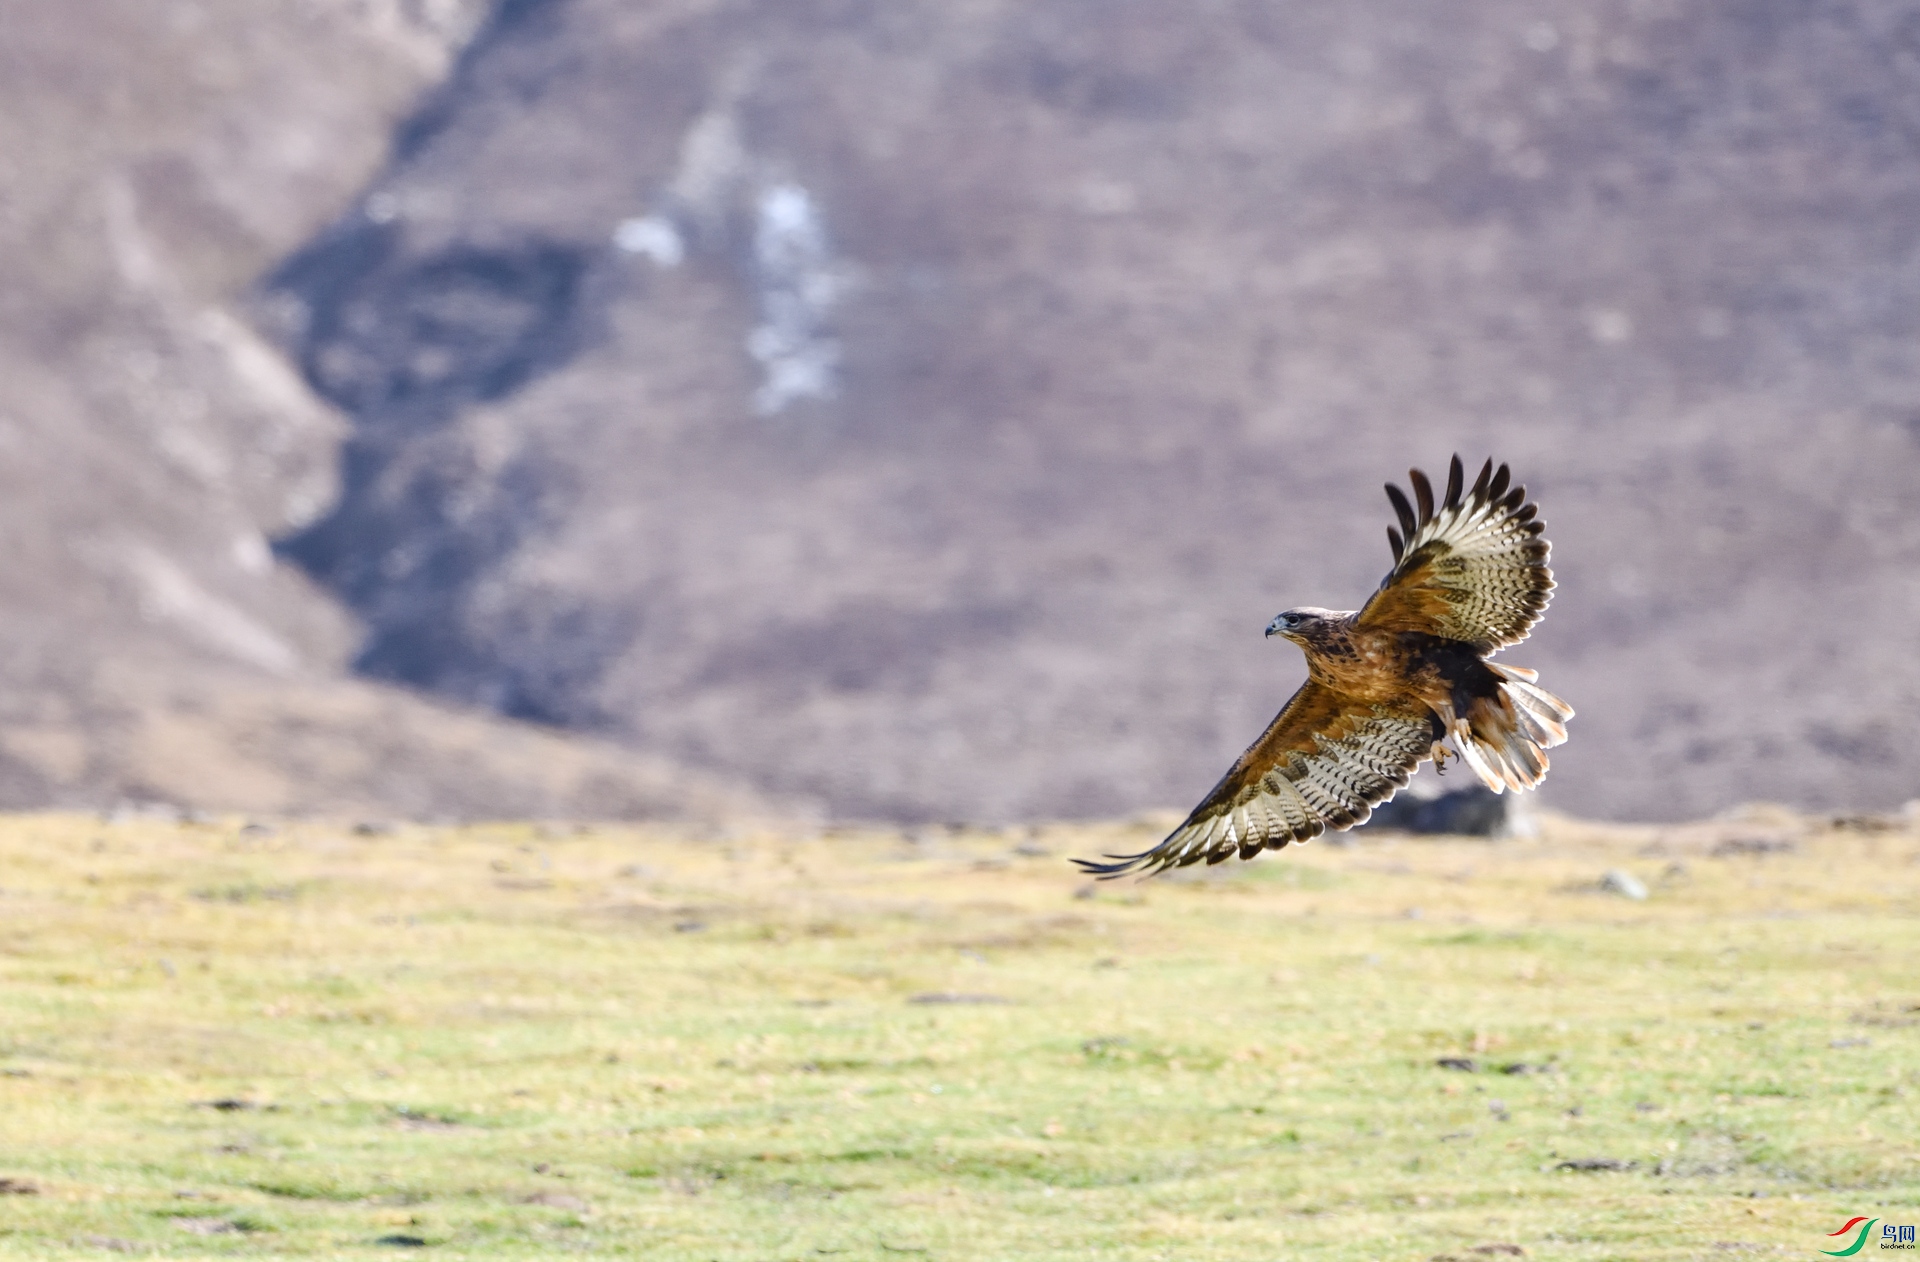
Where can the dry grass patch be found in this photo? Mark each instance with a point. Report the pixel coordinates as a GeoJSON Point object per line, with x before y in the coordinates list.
{"type": "Point", "coordinates": [521, 1041]}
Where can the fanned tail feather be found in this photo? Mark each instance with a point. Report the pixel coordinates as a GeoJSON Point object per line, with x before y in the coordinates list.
{"type": "Point", "coordinates": [1505, 737]}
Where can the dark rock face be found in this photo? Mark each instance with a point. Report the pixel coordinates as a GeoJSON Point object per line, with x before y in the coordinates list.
{"type": "Point", "coordinates": [403, 344]}
{"type": "Point", "coordinates": [1473, 811]}
{"type": "Point", "coordinates": [922, 406]}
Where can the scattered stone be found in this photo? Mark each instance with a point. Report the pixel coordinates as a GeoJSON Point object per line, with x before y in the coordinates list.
{"type": "Point", "coordinates": [247, 892]}
{"type": "Point", "coordinates": [18, 1187]}
{"type": "Point", "coordinates": [403, 1241]}
{"type": "Point", "coordinates": [1624, 883]}
{"type": "Point", "coordinates": [207, 1226]}
{"type": "Point", "coordinates": [1865, 823]}
{"type": "Point", "coordinates": [227, 1104]}
{"type": "Point", "coordinates": [113, 1244]}
{"type": "Point", "coordinates": [1840, 1043]}
{"type": "Point", "coordinates": [1498, 1250]}
{"type": "Point", "coordinates": [1465, 1064]}
{"type": "Point", "coordinates": [1752, 845]}
{"type": "Point", "coordinates": [556, 1200]}
{"type": "Point", "coordinates": [948, 996]}
{"type": "Point", "coordinates": [1704, 1160]}
{"type": "Point", "coordinates": [1521, 1068]}
{"type": "Point", "coordinates": [1598, 1165]}
{"type": "Point", "coordinates": [690, 926]}
{"type": "Point", "coordinates": [1879, 1019]}
{"type": "Point", "coordinates": [373, 828]}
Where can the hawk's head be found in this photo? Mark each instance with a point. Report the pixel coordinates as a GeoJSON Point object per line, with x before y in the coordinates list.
{"type": "Point", "coordinates": [1303, 625]}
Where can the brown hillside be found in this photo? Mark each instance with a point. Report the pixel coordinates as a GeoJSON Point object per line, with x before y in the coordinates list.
{"type": "Point", "coordinates": [921, 407]}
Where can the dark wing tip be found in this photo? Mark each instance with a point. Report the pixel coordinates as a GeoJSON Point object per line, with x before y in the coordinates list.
{"type": "Point", "coordinates": [1121, 865]}
{"type": "Point", "coordinates": [1423, 492]}
{"type": "Point", "coordinates": [1393, 541]}
{"type": "Point", "coordinates": [1455, 476]}
{"type": "Point", "coordinates": [1480, 483]}
{"type": "Point", "coordinates": [1402, 510]}
{"type": "Point", "coordinates": [1498, 487]}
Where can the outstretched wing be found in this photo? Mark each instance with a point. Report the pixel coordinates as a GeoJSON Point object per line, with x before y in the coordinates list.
{"type": "Point", "coordinates": [1473, 569]}
{"type": "Point", "coordinates": [1324, 762]}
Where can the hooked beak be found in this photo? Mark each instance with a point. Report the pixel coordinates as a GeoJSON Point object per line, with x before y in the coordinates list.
{"type": "Point", "coordinates": [1275, 628]}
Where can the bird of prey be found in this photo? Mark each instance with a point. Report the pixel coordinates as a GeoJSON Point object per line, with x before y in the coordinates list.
{"type": "Point", "coordinates": [1388, 684]}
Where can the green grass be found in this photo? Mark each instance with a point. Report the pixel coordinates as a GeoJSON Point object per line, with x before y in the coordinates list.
{"type": "Point", "coordinates": [514, 1042]}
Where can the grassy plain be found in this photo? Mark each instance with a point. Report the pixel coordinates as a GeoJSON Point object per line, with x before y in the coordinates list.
{"type": "Point", "coordinates": [520, 1041]}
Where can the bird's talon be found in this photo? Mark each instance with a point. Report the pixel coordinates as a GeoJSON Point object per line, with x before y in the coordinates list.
{"type": "Point", "coordinates": [1440, 756]}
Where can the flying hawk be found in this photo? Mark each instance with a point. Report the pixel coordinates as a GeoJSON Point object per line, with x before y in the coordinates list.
{"type": "Point", "coordinates": [1388, 684]}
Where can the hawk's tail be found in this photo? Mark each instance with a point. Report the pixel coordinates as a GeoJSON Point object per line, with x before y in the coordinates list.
{"type": "Point", "coordinates": [1505, 735]}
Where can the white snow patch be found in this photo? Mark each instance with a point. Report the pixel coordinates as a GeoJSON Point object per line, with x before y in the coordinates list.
{"type": "Point", "coordinates": [799, 285]}
{"type": "Point", "coordinates": [653, 236]}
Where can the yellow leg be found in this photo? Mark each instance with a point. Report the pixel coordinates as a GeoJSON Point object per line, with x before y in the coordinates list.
{"type": "Point", "coordinates": [1440, 754]}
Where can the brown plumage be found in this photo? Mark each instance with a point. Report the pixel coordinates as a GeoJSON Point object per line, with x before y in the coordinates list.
{"type": "Point", "coordinates": [1389, 683]}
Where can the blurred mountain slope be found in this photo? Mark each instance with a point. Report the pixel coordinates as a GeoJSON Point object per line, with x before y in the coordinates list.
{"type": "Point", "coordinates": [922, 406]}
{"type": "Point", "coordinates": [157, 158]}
